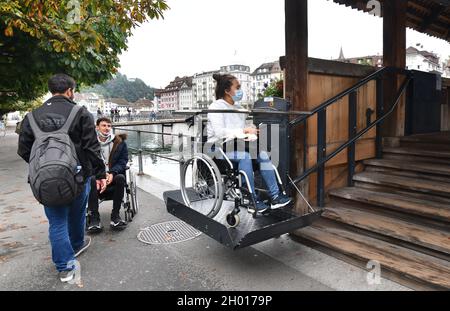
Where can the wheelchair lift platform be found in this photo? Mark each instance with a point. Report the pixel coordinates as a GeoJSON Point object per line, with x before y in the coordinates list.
{"type": "Point", "coordinates": [250, 230]}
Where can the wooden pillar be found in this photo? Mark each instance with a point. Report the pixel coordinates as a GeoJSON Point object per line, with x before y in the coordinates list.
{"type": "Point", "coordinates": [394, 55]}
{"type": "Point", "coordinates": [296, 78]}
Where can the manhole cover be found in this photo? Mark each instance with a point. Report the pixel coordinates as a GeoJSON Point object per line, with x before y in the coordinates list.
{"type": "Point", "coordinates": [168, 233]}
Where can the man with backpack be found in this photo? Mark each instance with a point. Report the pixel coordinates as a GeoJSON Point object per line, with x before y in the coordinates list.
{"type": "Point", "coordinates": [59, 142]}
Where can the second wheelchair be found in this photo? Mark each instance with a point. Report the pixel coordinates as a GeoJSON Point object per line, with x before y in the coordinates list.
{"type": "Point", "coordinates": [129, 204]}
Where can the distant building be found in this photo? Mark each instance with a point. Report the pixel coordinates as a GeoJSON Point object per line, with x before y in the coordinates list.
{"type": "Point", "coordinates": [157, 99]}
{"type": "Point", "coordinates": [446, 67]}
{"type": "Point", "coordinates": [120, 103]}
{"type": "Point", "coordinates": [143, 106]}
{"type": "Point", "coordinates": [170, 96]}
{"type": "Point", "coordinates": [371, 60]}
{"type": "Point", "coordinates": [263, 76]}
{"type": "Point", "coordinates": [415, 60]}
{"type": "Point", "coordinates": [422, 60]}
{"type": "Point", "coordinates": [106, 107]}
{"type": "Point", "coordinates": [242, 73]}
{"type": "Point", "coordinates": [185, 95]}
{"type": "Point", "coordinates": [169, 99]}
{"type": "Point", "coordinates": [91, 101]}
{"type": "Point", "coordinates": [203, 89]}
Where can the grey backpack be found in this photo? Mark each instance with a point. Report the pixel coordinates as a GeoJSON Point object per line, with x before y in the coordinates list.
{"type": "Point", "coordinates": [54, 166]}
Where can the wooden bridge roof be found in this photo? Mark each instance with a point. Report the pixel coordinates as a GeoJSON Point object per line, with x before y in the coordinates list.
{"type": "Point", "coordinates": [427, 16]}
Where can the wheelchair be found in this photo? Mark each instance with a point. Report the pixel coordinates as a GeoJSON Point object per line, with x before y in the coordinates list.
{"type": "Point", "coordinates": [130, 203]}
{"type": "Point", "coordinates": [207, 181]}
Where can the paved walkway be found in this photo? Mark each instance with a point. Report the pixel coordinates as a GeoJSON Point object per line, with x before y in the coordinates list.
{"type": "Point", "coordinates": [118, 261]}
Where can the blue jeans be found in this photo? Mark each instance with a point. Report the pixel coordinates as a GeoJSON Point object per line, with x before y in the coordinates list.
{"type": "Point", "coordinates": [267, 171]}
{"type": "Point", "coordinates": [66, 229]}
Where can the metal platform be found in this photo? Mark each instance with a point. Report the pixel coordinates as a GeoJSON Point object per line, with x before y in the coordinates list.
{"type": "Point", "coordinates": [250, 231]}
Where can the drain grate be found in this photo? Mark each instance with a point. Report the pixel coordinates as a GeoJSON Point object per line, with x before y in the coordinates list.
{"type": "Point", "coordinates": [167, 233]}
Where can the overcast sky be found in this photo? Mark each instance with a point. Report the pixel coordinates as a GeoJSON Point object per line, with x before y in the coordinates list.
{"type": "Point", "coordinates": [202, 35]}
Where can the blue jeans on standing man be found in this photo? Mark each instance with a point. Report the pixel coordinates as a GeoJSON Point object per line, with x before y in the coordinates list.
{"type": "Point", "coordinates": [66, 229]}
{"type": "Point", "coordinates": [267, 171]}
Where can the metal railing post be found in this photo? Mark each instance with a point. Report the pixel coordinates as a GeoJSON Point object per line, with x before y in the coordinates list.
{"type": "Point", "coordinates": [352, 102]}
{"type": "Point", "coordinates": [380, 112]}
{"type": "Point", "coordinates": [139, 147]}
{"type": "Point", "coordinates": [181, 146]}
{"type": "Point", "coordinates": [321, 154]}
{"type": "Point", "coordinates": [162, 135]}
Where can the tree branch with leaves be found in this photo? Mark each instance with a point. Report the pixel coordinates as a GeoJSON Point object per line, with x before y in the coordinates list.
{"type": "Point", "coordinates": [82, 38]}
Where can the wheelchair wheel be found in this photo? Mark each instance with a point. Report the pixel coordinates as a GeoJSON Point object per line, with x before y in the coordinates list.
{"type": "Point", "coordinates": [201, 185]}
{"type": "Point", "coordinates": [233, 220]}
{"type": "Point", "coordinates": [129, 215]}
{"type": "Point", "coordinates": [133, 194]}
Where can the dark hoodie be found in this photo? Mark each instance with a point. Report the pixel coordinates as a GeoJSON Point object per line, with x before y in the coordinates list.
{"type": "Point", "coordinates": [51, 116]}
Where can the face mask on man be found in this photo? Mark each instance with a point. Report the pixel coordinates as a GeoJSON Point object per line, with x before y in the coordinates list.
{"type": "Point", "coordinates": [106, 136]}
{"type": "Point", "coordinates": [238, 95]}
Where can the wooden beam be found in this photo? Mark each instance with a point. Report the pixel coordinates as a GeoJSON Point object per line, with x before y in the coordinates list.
{"type": "Point", "coordinates": [394, 33]}
{"type": "Point", "coordinates": [296, 76]}
{"type": "Point", "coordinates": [394, 55]}
{"type": "Point", "coordinates": [414, 8]}
{"type": "Point", "coordinates": [432, 17]}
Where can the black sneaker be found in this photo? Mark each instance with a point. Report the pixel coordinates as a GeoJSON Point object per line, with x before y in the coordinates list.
{"type": "Point", "coordinates": [67, 276]}
{"type": "Point", "coordinates": [86, 244]}
{"type": "Point", "coordinates": [280, 201]}
{"type": "Point", "coordinates": [260, 207]}
{"type": "Point", "coordinates": [117, 223]}
{"type": "Point", "coordinates": [94, 225]}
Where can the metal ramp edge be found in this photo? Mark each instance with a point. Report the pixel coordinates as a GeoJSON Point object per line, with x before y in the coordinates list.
{"type": "Point", "coordinates": [251, 231]}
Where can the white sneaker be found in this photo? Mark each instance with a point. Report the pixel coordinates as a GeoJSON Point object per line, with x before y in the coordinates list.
{"type": "Point", "coordinates": [67, 276]}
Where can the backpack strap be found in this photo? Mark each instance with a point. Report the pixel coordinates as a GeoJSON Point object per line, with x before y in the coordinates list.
{"type": "Point", "coordinates": [65, 128]}
{"type": "Point", "coordinates": [34, 127]}
{"type": "Point", "coordinates": [70, 119]}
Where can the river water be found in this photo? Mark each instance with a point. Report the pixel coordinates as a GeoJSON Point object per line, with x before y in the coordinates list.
{"type": "Point", "coordinates": [161, 168]}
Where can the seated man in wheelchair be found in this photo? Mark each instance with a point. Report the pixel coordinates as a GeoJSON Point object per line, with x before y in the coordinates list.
{"type": "Point", "coordinates": [115, 154]}
{"type": "Point", "coordinates": [224, 125]}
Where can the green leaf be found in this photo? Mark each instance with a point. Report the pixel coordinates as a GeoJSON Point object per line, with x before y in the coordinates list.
{"type": "Point", "coordinates": [89, 50]}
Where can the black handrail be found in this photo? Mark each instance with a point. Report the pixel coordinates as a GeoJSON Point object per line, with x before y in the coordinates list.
{"type": "Point", "coordinates": [340, 95]}
{"type": "Point", "coordinates": [354, 139]}
{"type": "Point", "coordinates": [344, 93]}
{"type": "Point", "coordinates": [320, 111]}
{"type": "Point", "coordinates": [151, 132]}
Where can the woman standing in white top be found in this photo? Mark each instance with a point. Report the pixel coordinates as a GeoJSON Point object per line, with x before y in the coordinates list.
{"type": "Point", "coordinates": [229, 125]}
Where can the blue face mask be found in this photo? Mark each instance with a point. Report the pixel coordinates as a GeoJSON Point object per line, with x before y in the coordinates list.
{"type": "Point", "coordinates": [238, 96]}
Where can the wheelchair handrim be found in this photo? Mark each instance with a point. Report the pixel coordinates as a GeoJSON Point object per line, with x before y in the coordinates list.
{"type": "Point", "coordinates": [214, 171]}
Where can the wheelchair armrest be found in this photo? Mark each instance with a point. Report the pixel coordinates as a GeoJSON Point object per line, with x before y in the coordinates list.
{"type": "Point", "coordinates": [227, 140]}
{"type": "Point", "coordinates": [245, 139]}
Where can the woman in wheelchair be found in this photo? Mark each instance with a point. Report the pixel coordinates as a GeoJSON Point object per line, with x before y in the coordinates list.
{"type": "Point", "coordinates": [228, 125]}
{"type": "Point", "coordinates": [115, 154]}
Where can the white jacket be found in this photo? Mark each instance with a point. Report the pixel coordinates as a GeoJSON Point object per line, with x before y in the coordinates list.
{"type": "Point", "coordinates": [225, 125]}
